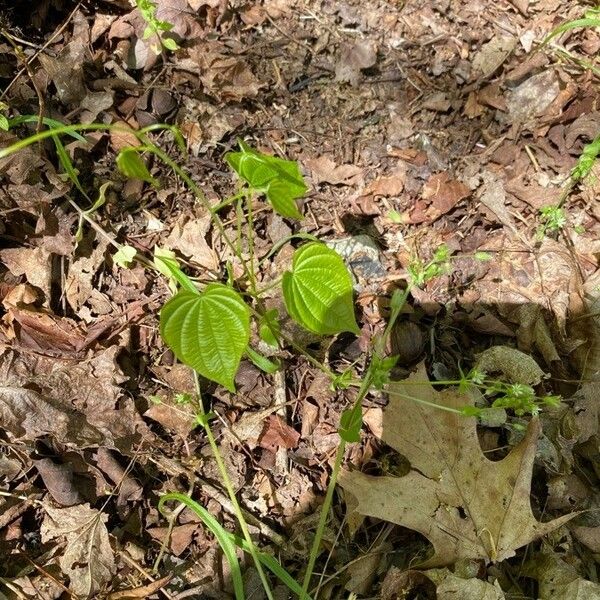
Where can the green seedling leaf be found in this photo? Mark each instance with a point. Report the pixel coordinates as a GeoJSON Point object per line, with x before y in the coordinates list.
{"type": "Point", "coordinates": [262, 362]}
{"type": "Point", "coordinates": [223, 537]}
{"type": "Point", "coordinates": [4, 124]}
{"type": "Point", "coordinates": [167, 264]}
{"type": "Point", "coordinates": [208, 331]}
{"type": "Point", "coordinates": [351, 424]}
{"type": "Point", "coordinates": [380, 370]}
{"type": "Point", "coordinates": [483, 256]}
{"type": "Point", "coordinates": [170, 44]}
{"type": "Point", "coordinates": [342, 381]}
{"type": "Point", "coordinates": [318, 291]}
{"type": "Point", "coordinates": [269, 328]}
{"type": "Point", "coordinates": [99, 202]}
{"type": "Point", "coordinates": [280, 180]}
{"type": "Point", "coordinates": [131, 164]}
{"type": "Point", "coordinates": [124, 256]}
{"type": "Point", "coordinates": [67, 165]}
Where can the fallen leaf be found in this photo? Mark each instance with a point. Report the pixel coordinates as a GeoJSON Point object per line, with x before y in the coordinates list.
{"type": "Point", "coordinates": [353, 59]}
{"type": "Point", "coordinates": [440, 195]}
{"type": "Point", "coordinates": [492, 55]}
{"type": "Point", "coordinates": [533, 96]}
{"type": "Point", "coordinates": [559, 580]}
{"type": "Point", "coordinates": [189, 237]}
{"type": "Point", "coordinates": [34, 263]}
{"type": "Point", "coordinates": [466, 505]}
{"type": "Point", "coordinates": [144, 591]}
{"type": "Point", "coordinates": [277, 433]}
{"type": "Point", "coordinates": [88, 559]}
{"type": "Point", "coordinates": [325, 170]}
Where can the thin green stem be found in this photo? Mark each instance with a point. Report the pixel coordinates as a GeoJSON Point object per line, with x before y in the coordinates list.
{"type": "Point", "coordinates": [250, 222]}
{"type": "Point", "coordinates": [231, 492]}
{"type": "Point", "coordinates": [339, 457]}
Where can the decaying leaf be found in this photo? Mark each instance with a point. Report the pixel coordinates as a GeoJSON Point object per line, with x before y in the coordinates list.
{"type": "Point", "coordinates": [325, 170]}
{"type": "Point", "coordinates": [88, 558]}
{"type": "Point", "coordinates": [466, 505]}
{"type": "Point", "coordinates": [440, 195]}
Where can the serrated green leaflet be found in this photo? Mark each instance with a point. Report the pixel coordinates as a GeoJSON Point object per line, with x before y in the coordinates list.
{"type": "Point", "coordinates": [280, 180]}
{"type": "Point", "coordinates": [318, 291]}
{"type": "Point", "coordinates": [208, 331]}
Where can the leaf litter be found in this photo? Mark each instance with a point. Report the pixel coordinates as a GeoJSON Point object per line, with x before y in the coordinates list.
{"type": "Point", "coordinates": [418, 124]}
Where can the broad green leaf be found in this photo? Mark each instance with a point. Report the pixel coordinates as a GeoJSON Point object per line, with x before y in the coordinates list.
{"type": "Point", "coordinates": [131, 164]}
{"type": "Point", "coordinates": [280, 180]}
{"type": "Point", "coordinates": [124, 256]}
{"type": "Point", "coordinates": [170, 44]}
{"type": "Point", "coordinates": [318, 291]}
{"type": "Point", "coordinates": [208, 331]}
{"type": "Point", "coordinates": [283, 199]}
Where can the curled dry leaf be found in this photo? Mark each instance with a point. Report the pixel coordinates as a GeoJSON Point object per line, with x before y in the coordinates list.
{"type": "Point", "coordinates": [88, 558]}
{"type": "Point", "coordinates": [440, 195]}
{"type": "Point", "coordinates": [466, 505]}
{"type": "Point", "coordinates": [324, 170]}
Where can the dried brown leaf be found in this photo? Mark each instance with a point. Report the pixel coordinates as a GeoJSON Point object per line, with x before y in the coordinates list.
{"type": "Point", "coordinates": [88, 559]}
{"type": "Point", "coordinates": [440, 195]}
{"type": "Point", "coordinates": [325, 170]}
{"type": "Point", "coordinates": [450, 477]}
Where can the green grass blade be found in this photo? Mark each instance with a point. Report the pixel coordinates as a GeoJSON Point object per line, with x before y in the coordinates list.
{"type": "Point", "coordinates": [67, 165]}
{"type": "Point", "coordinates": [51, 123]}
{"type": "Point", "coordinates": [587, 22]}
{"type": "Point", "coordinates": [222, 536]}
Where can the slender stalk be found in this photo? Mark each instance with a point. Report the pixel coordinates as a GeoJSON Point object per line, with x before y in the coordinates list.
{"type": "Point", "coordinates": [337, 465]}
{"type": "Point", "coordinates": [231, 492]}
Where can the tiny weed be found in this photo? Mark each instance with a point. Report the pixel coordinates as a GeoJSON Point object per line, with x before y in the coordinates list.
{"type": "Point", "coordinates": [155, 27]}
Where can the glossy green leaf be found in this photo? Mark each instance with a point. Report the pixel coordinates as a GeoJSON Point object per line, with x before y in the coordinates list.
{"type": "Point", "coordinates": [280, 180]}
{"type": "Point", "coordinates": [262, 362]}
{"type": "Point", "coordinates": [318, 291]}
{"type": "Point", "coordinates": [208, 331]}
{"type": "Point", "coordinates": [131, 164]}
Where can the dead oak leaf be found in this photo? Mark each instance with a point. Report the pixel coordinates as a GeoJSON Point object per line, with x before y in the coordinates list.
{"type": "Point", "coordinates": [440, 195]}
{"type": "Point", "coordinates": [466, 505]}
{"type": "Point", "coordinates": [88, 559]}
{"type": "Point", "coordinates": [325, 170]}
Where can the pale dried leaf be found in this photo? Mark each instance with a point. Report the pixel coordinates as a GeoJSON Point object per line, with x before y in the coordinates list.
{"type": "Point", "coordinates": [325, 170]}
{"type": "Point", "coordinates": [450, 474]}
{"type": "Point", "coordinates": [88, 559]}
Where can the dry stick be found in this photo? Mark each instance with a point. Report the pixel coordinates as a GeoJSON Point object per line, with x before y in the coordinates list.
{"type": "Point", "coordinates": [50, 40]}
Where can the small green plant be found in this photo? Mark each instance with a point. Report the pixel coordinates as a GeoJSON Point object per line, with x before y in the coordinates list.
{"type": "Point", "coordinates": [155, 27]}
{"type": "Point", "coordinates": [208, 327]}
{"type": "Point", "coordinates": [553, 219]}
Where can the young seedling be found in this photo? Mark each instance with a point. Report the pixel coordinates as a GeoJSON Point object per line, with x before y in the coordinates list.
{"type": "Point", "coordinates": [155, 27]}
{"type": "Point", "coordinates": [208, 327]}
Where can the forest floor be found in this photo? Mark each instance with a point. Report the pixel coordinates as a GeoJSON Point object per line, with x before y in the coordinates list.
{"type": "Point", "coordinates": [418, 126]}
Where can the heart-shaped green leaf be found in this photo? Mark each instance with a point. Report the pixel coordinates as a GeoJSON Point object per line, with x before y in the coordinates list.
{"type": "Point", "coordinates": [208, 331]}
{"type": "Point", "coordinates": [280, 180]}
{"type": "Point", "coordinates": [318, 291]}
